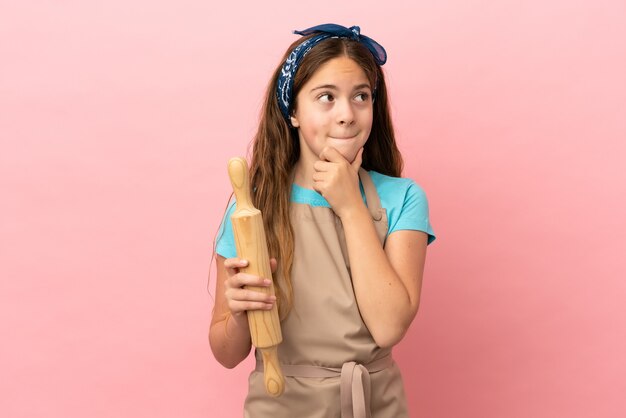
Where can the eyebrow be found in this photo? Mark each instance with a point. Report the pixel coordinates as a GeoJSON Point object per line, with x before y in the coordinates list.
{"type": "Point", "coordinates": [333, 87]}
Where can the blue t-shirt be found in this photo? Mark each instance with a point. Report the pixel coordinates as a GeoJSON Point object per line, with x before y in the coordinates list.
{"type": "Point", "coordinates": [404, 200]}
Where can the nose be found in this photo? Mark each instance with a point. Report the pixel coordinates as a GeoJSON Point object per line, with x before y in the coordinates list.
{"type": "Point", "coordinates": [345, 112]}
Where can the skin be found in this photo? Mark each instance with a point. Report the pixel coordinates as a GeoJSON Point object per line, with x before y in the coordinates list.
{"type": "Point", "coordinates": [333, 115]}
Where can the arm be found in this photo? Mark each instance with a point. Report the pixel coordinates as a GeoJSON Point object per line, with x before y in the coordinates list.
{"type": "Point", "coordinates": [387, 282]}
{"type": "Point", "coordinates": [229, 333]}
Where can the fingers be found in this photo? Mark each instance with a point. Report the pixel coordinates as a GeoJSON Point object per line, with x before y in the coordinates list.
{"type": "Point", "coordinates": [240, 291]}
{"type": "Point", "coordinates": [332, 155]}
{"type": "Point", "coordinates": [319, 176]}
{"type": "Point", "coordinates": [273, 265]}
{"type": "Point", "coordinates": [234, 264]}
{"type": "Point", "coordinates": [322, 166]}
{"type": "Point", "coordinates": [240, 300]}
{"type": "Point", "coordinates": [238, 307]}
{"type": "Point", "coordinates": [244, 279]}
{"type": "Point", "coordinates": [332, 165]}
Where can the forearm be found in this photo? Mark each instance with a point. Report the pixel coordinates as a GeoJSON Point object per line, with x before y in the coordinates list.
{"type": "Point", "coordinates": [383, 300]}
{"type": "Point", "coordinates": [230, 340]}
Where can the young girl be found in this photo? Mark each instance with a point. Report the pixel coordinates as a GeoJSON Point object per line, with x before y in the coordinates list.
{"type": "Point", "coordinates": [348, 235]}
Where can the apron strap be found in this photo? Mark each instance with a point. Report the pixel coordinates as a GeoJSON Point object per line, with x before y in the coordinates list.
{"type": "Point", "coordinates": [371, 196]}
{"type": "Point", "coordinates": [354, 386]}
{"type": "Point", "coordinates": [376, 210]}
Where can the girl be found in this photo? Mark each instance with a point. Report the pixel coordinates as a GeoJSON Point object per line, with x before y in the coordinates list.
{"type": "Point", "coordinates": [349, 236]}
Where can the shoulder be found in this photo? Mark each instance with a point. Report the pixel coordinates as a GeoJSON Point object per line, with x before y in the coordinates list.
{"type": "Point", "coordinates": [395, 190]}
{"type": "Point", "coordinates": [405, 202]}
{"type": "Point", "coordinates": [225, 240]}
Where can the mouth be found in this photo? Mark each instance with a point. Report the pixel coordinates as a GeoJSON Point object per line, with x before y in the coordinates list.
{"type": "Point", "coordinates": [343, 138]}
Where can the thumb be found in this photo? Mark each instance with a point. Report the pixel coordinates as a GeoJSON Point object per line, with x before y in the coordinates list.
{"type": "Point", "coordinates": [356, 164]}
{"type": "Point", "coordinates": [273, 264]}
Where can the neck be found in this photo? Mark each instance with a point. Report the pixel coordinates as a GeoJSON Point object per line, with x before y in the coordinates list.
{"type": "Point", "coordinates": [303, 170]}
{"type": "Point", "coordinates": [303, 173]}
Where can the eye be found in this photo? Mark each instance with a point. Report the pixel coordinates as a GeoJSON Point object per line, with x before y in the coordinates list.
{"type": "Point", "coordinates": [326, 98]}
{"type": "Point", "coordinates": [362, 97]}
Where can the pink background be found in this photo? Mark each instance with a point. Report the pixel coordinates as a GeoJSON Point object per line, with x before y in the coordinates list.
{"type": "Point", "coordinates": [116, 122]}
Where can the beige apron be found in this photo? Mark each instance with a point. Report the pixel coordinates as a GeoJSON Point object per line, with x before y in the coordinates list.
{"type": "Point", "coordinates": [332, 366]}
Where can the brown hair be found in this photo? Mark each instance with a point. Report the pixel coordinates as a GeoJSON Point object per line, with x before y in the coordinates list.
{"type": "Point", "coordinates": [276, 150]}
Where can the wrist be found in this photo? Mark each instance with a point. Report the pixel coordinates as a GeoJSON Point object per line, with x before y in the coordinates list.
{"type": "Point", "coordinates": [354, 212]}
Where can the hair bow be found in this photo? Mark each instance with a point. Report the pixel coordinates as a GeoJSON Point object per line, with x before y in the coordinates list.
{"type": "Point", "coordinates": [328, 30]}
{"type": "Point", "coordinates": [353, 32]}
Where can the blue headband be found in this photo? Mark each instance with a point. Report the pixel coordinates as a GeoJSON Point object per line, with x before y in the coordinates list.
{"type": "Point", "coordinates": [329, 30]}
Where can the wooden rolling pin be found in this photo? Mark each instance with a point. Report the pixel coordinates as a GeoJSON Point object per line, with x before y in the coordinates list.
{"type": "Point", "coordinates": [251, 245]}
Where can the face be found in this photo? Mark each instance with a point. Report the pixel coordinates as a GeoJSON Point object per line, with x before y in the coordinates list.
{"type": "Point", "coordinates": [334, 108]}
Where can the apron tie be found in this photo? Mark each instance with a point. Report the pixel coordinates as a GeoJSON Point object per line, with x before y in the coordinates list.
{"type": "Point", "coordinates": [354, 386]}
{"type": "Point", "coordinates": [355, 391]}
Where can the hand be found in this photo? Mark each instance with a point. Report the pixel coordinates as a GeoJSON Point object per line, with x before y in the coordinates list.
{"type": "Point", "coordinates": [240, 300]}
{"type": "Point", "coordinates": [337, 180]}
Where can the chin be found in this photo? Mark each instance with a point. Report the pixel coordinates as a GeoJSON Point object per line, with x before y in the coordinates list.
{"type": "Point", "coordinates": [351, 156]}
{"type": "Point", "coordinates": [349, 153]}
{"type": "Point", "coordinates": [348, 149]}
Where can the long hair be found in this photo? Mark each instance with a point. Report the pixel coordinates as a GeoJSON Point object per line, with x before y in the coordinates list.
{"type": "Point", "coordinates": [276, 149]}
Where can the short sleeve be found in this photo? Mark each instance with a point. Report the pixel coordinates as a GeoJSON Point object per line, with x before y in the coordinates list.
{"type": "Point", "coordinates": [225, 241]}
{"type": "Point", "coordinates": [414, 214]}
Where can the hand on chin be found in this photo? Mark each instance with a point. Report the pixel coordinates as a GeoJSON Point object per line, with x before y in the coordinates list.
{"type": "Point", "coordinates": [337, 179]}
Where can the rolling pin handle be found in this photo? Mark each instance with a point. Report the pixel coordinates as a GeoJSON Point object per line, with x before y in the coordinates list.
{"type": "Point", "coordinates": [238, 173]}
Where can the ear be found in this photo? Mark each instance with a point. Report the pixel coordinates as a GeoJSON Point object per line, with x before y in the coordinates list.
{"type": "Point", "coordinates": [294, 122]}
